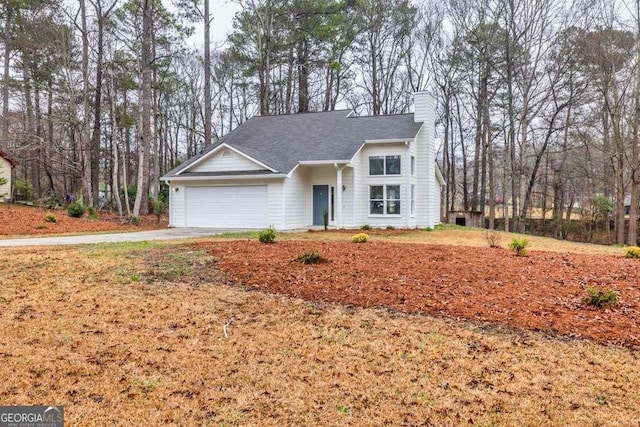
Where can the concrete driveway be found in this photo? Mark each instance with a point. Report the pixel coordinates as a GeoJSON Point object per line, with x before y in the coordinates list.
{"type": "Point", "coordinates": [137, 236]}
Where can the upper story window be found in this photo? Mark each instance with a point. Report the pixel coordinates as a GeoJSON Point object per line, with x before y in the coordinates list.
{"type": "Point", "coordinates": [413, 165]}
{"type": "Point", "coordinates": [384, 165]}
{"type": "Point", "coordinates": [227, 154]}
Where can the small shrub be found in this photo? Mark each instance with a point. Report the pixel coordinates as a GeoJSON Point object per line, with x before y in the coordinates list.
{"type": "Point", "coordinates": [93, 214]}
{"type": "Point", "coordinates": [159, 208]}
{"type": "Point", "coordinates": [390, 227]}
{"type": "Point", "coordinates": [632, 252]}
{"type": "Point", "coordinates": [439, 227]}
{"type": "Point", "coordinates": [51, 218]}
{"type": "Point", "coordinates": [360, 238]}
{"type": "Point", "coordinates": [519, 246]}
{"type": "Point", "coordinates": [75, 210]}
{"type": "Point", "coordinates": [325, 218]}
{"type": "Point", "coordinates": [136, 220]}
{"type": "Point", "coordinates": [268, 235]}
{"type": "Point", "coordinates": [428, 229]}
{"type": "Point", "coordinates": [493, 238]}
{"type": "Point", "coordinates": [310, 257]}
{"type": "Point", "coordinates": [365, 227]}
{"type": "Point", "coordinates": [601, 298]}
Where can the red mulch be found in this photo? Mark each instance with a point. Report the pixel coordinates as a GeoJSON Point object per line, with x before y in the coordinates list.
{"type": "Point", "coordinates": [20, 220]}
{"type": "Point", "coordinates": [544, 291]}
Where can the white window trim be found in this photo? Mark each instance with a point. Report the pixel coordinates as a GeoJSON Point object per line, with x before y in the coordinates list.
{"type": "Point", "coordinates": [384, 165]}
{"type": "Point", "coordinates": [385, 199]}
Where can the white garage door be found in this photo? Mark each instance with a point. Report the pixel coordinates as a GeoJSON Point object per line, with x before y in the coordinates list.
{"type": "Point", "coordinates": [227, 207]}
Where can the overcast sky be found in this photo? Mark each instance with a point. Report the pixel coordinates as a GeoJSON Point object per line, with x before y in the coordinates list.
{"type": "Point", "coordinates": [222, 12]}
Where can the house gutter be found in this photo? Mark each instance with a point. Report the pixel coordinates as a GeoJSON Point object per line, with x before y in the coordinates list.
{"type": "Point", "coordinates": [221, 177]}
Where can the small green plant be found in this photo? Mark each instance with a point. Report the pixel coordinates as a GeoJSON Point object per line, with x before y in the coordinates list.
{"type": "Point", "coordinates": [601, 298]}
{"type": "Point", "coordinates": [343, 409]}
{"type": "Point", "coordinates": [493, 238]}
{"type": "Point", "coordinates": [51, 218]}
{"type": "Point", "coordinates": [93, 214]}
{"type": "Point", "coordinates": [365, 227]}
{"type": "Point", "coordinates": [390, 227]}
{"type": "Point", "coordinates": [519, 246]}
{"type": "Point", "coordinates": [360, 238]}
{"type": "Point", "coordinates": [159, 208]}
{"type": "Point", "coordinates": [325, 218]}
{"type": "Point", "coordinates": [632, 252]}
{"type": "Point", "coordinates": [439, 227]}
{"type": "Point", "coordinates": [428, 229]}
{"type": "Point", "coordinates": [136, 220]}
{"type": "Point", "coordinates": [310, 257]}
{"type": "Point", "coordinates": [75, 210]}
{"type": "Point", "coordinates": [268, 235]}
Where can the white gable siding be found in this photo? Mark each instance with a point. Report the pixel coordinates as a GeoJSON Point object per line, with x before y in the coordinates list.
{"type": "Point", "coordinates": [225, 160]}
{"type": "Point", "coordinates": [5, 172]}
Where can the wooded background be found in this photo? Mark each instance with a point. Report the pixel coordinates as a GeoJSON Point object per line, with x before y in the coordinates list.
{"type": "Point", "coordinates": [538, 100]}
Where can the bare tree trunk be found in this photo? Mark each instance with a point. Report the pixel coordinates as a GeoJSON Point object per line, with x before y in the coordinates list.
{"type": "Point", "coordinates": [207, 75]}
{"type": "Point", "coordinates": [141, 204]}
{"type": "Point", "coordinates": [4, 137]}
{"type": "Point", "coordinates": [115, 188]}
{"type": "Point", "coordinates": [85, 151]}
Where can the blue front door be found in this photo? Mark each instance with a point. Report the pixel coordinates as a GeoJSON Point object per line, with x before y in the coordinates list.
{"type": "Point", "coordinates": [320, 203]}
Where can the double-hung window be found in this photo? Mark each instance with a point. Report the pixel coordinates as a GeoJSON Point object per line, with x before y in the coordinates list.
{"type": "Point", "coordinates": [384, 200]}
{"type": "Point", "coordinates": [384, 165]}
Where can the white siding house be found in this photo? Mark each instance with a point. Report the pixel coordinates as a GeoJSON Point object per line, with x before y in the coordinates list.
{"type": "Point", "coordinates": [7, 163]}
{"type": "Point", "coordinates": [289, 171]}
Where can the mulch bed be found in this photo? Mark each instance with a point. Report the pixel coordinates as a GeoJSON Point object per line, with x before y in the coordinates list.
{"type": "Point", "coordinates": [545, 291]}
{"type": "Point", "coordinates": [20, 220]}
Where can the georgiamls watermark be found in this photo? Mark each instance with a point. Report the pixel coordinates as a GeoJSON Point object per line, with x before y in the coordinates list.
{"type": "Point", "coordinates": [31, 416]}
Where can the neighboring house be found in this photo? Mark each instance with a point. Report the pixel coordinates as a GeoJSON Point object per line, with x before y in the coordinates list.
{"type": "Point", "coordinates": [286, 170]}
{"type": "Point", "coordinates": [7, 163]}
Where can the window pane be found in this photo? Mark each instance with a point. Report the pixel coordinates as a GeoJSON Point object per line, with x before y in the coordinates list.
{"type": "Point", "coordinates": [393, 207]}
{"type": "Point", "coordinates": [376, 208]}
{"type": "Point", "coordinates": [393, 165]}
{"type": "Point", "coordinates": [376, 165]}
{"type": "Point", "coordinates": [376, 192]}
{"type": "Point", "coordinates": [393, 192]}
{"type": "Point", "coordinates": [376, 199]}
{"type": "Point", "coordinates": [413, 165]}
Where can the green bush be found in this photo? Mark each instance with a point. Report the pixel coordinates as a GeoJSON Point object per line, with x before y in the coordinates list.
{"type": "Point", "coordinates": [360, 238]}
{"type": "Point", "coordinates": [325, 218]}
{"type": "Point", "coordinates": [310, 257]}
{"type": "Point", "coordinates": [390, 227]}
{"type": "Point", "coordinates": [75, 210]}
{"type": "Point", "coordinates": [136, 220]}
{"type": "Point", "coordinates": [365, 227]}
{"type": "Point", "coordinates": [601, 298]}
{"type": "Point", "coordinates": [632, 252]}
{"type": "Point", "coordinates": [268, 235]}
{"type": "Point", "coordinates": [158, 207]}
{"type": "Point", "coordinates": [51, 218]}
{"type": "Point", "coordinates": [93, 214]}
{"type": "Point", "coordinates": [428, 229]}
{"type": "Point", "coordinates": [519, 246]}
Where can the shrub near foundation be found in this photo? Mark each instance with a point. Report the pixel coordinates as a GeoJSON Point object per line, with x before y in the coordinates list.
{"type": "Point", "coordinates": [268, 235]}
{"type": "Point", "coordinates": [601, 298]}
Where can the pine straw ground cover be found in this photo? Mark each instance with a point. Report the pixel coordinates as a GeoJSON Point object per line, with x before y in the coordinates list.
{"type": "Point", "coordinates": [21, 220]}
{"type": "Point", "coordinates": [135, 334]}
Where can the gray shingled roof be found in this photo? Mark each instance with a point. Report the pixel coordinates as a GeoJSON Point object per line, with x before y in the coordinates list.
{"type": "Point", "coordinates": [280, 142]}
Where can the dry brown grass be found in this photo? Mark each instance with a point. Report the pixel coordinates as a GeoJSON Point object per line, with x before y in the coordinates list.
{"type": "Point", "coordinates": [133, 334]}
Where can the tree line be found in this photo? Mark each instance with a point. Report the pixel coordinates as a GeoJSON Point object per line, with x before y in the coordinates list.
{"type": "Point", "coordinates": [538, 101]}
